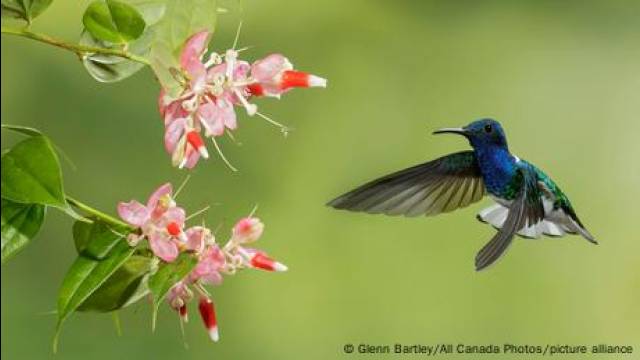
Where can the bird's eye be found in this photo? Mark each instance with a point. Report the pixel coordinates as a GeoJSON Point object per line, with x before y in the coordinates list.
{"type": "Point", "coordinates": [488, 128]}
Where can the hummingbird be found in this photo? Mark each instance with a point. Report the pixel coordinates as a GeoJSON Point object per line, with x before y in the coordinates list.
{"type": "Point", "coordinates": [527, 202]}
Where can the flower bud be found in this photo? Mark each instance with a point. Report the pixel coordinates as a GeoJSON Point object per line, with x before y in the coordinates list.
{"type": "Point", "coordinates": [247, 230]}
{"type": "Point", "coordinates": [208, 314]}
{"type": "Point", "coordinates": [260, 260]}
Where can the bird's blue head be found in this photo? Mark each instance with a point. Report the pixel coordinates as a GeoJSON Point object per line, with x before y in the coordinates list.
{"type": "Point", "coordinates": [481, 133]}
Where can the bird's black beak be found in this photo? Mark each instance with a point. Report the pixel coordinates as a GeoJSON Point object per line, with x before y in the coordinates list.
{"type": "Point", "coordinates": [459, 131]}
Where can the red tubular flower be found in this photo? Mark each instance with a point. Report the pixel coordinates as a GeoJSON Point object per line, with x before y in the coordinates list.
{"type": "Point", "coordinates": [208, 314]}
{"type": "Point", "coordinates": [274, 75]}
{"type": "Point", "coordinates": [260, 260]}
{"type": "Point", "coordinates": [292, 78]}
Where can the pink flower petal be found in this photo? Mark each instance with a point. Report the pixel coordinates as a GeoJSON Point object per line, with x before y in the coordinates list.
{"type": "Point", "coordinates": [209, 266]}
{"type": "Point", "coordinates": [163, 102]}
{"type": "Point", "coordinates": [194, 46]}
{"type": "Point", "coordinates": [217, 116]}
{"type": "Point", "coordinates": [133, 213]}
{"type": "Point", "coordinates": [265, 70]}
{"type": "Point", "coordinates": [191, 59]}
{"type": "Point", "coordinates": [247, 230]}
{"type": "Point", "coordinates": [173, 133]}
{"type": "Point", "coordinates": [229, 118]}
{"type": "Point", "coordinates": [212, 278]}
{"type": "Point", "coordinates": [192, 158]}
{"type": "Point", "coordinates": [241, 70]}
{"type": "Point", "coordinates": [198, 74]}
{"type": "Point", "coordinates": [179, 295]}
{"type": "Point", "coordinates": [163, 190]}
{"type": "Point", "coordinates": [163, 247]}
{"type": "Point", "coordinates": [173, 214]}
{"type": "Point", "coordinates": [195, 238]}
{"type": "Point", "coordinates": [174, 111]}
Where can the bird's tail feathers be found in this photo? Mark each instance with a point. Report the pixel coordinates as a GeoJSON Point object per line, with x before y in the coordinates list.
{"type": "Point", "coordinates": [574, 227]}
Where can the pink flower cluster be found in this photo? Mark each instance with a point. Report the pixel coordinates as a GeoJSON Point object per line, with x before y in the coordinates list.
{"type": "Point", "coordinates": [162, 222]}
{"type": "Point", "coordinates": [213, 89]}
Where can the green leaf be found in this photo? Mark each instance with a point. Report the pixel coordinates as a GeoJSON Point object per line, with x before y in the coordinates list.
{"type": "Point", "coordinates": [113, 21]}
{"type": "Point", "coordinates": [98, 238]}
{"type": "Point", "coordinates": [169, 274]}
{"type": "Point", "coordinates": [31, 173]}
{"type": "Point", "coordinates": [25, 130]}
{"type": "Point", "coordinates": [20, 224]}
{"type": "Point", "coordinates": [84, 277]}
{"type": "Point", "coordinates": [24, 9]}
{"type": "Point", "coordinates": [109, 68]}
{"type": "Point", "coordinates": [126, 286]}
{"type": "Point", "coordinates": [182, 19]}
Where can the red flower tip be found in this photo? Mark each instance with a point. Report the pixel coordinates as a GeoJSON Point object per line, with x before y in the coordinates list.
{"type": "Point", "coordinates": [194, 139]}
{"type": "Point", "coordinates": [208, 314]}
{"type": "Point", "coordinates": [183, 313]}
{"type": "Point", "coordinates": [262, 261]}
{"type": "Point", "coordinates": [293, 78]}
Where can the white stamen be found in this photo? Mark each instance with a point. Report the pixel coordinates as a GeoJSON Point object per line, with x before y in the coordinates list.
{"type": "Point", "coordinates": [252, 109]}
{"type": "Point", "coordinates": [233, 138]}
{"type": "Point", "coordinates": [253, 211]}
{"type": "Point", "coordinates": [182, 185]}
{"type": "Point", "coordinates": [230, 59]}
{"type": "Point", "coordinates": [203, 210]}
{"type": "Point", "coordinates": [215, 143]}
{"type": "Point", "coordinates": [246, 82]}
{"type": "Point", "coordinates": [214, 59]}
{"type": "Point", "coordinates": [207, 129]}
{"type": "Point", "coordinates": [285, 129]}
{"type": "Point", "coordinates": [235, 41]}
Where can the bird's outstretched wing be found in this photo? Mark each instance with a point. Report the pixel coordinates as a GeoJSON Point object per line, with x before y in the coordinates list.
{"type": "Point", "coordinates": [442, 185]}
{"type": "Point", "coordinates": [525, 210]}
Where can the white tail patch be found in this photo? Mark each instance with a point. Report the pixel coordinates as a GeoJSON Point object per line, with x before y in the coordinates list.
{"type": "Point", "coordinates": [496, 214]}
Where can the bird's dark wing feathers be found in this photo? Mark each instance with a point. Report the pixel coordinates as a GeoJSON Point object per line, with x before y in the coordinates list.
{"type": "Point", "coordinates": [525, 210]}
{"type": "Point", "coordinates": [442, 185]}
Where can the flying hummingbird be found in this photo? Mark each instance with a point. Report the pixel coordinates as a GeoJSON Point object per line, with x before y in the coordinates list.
{"type": "Point", "coordinates": [528, 202]}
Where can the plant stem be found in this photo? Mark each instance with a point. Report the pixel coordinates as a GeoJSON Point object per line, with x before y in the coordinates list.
{"type": "Point", "coordinates": [99, 214]}
{"type": "Point", "coordinates": [80, 50]}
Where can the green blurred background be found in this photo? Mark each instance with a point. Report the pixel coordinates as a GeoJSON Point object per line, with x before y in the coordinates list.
{"type": "Point", "coordinates": [562, 76]}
